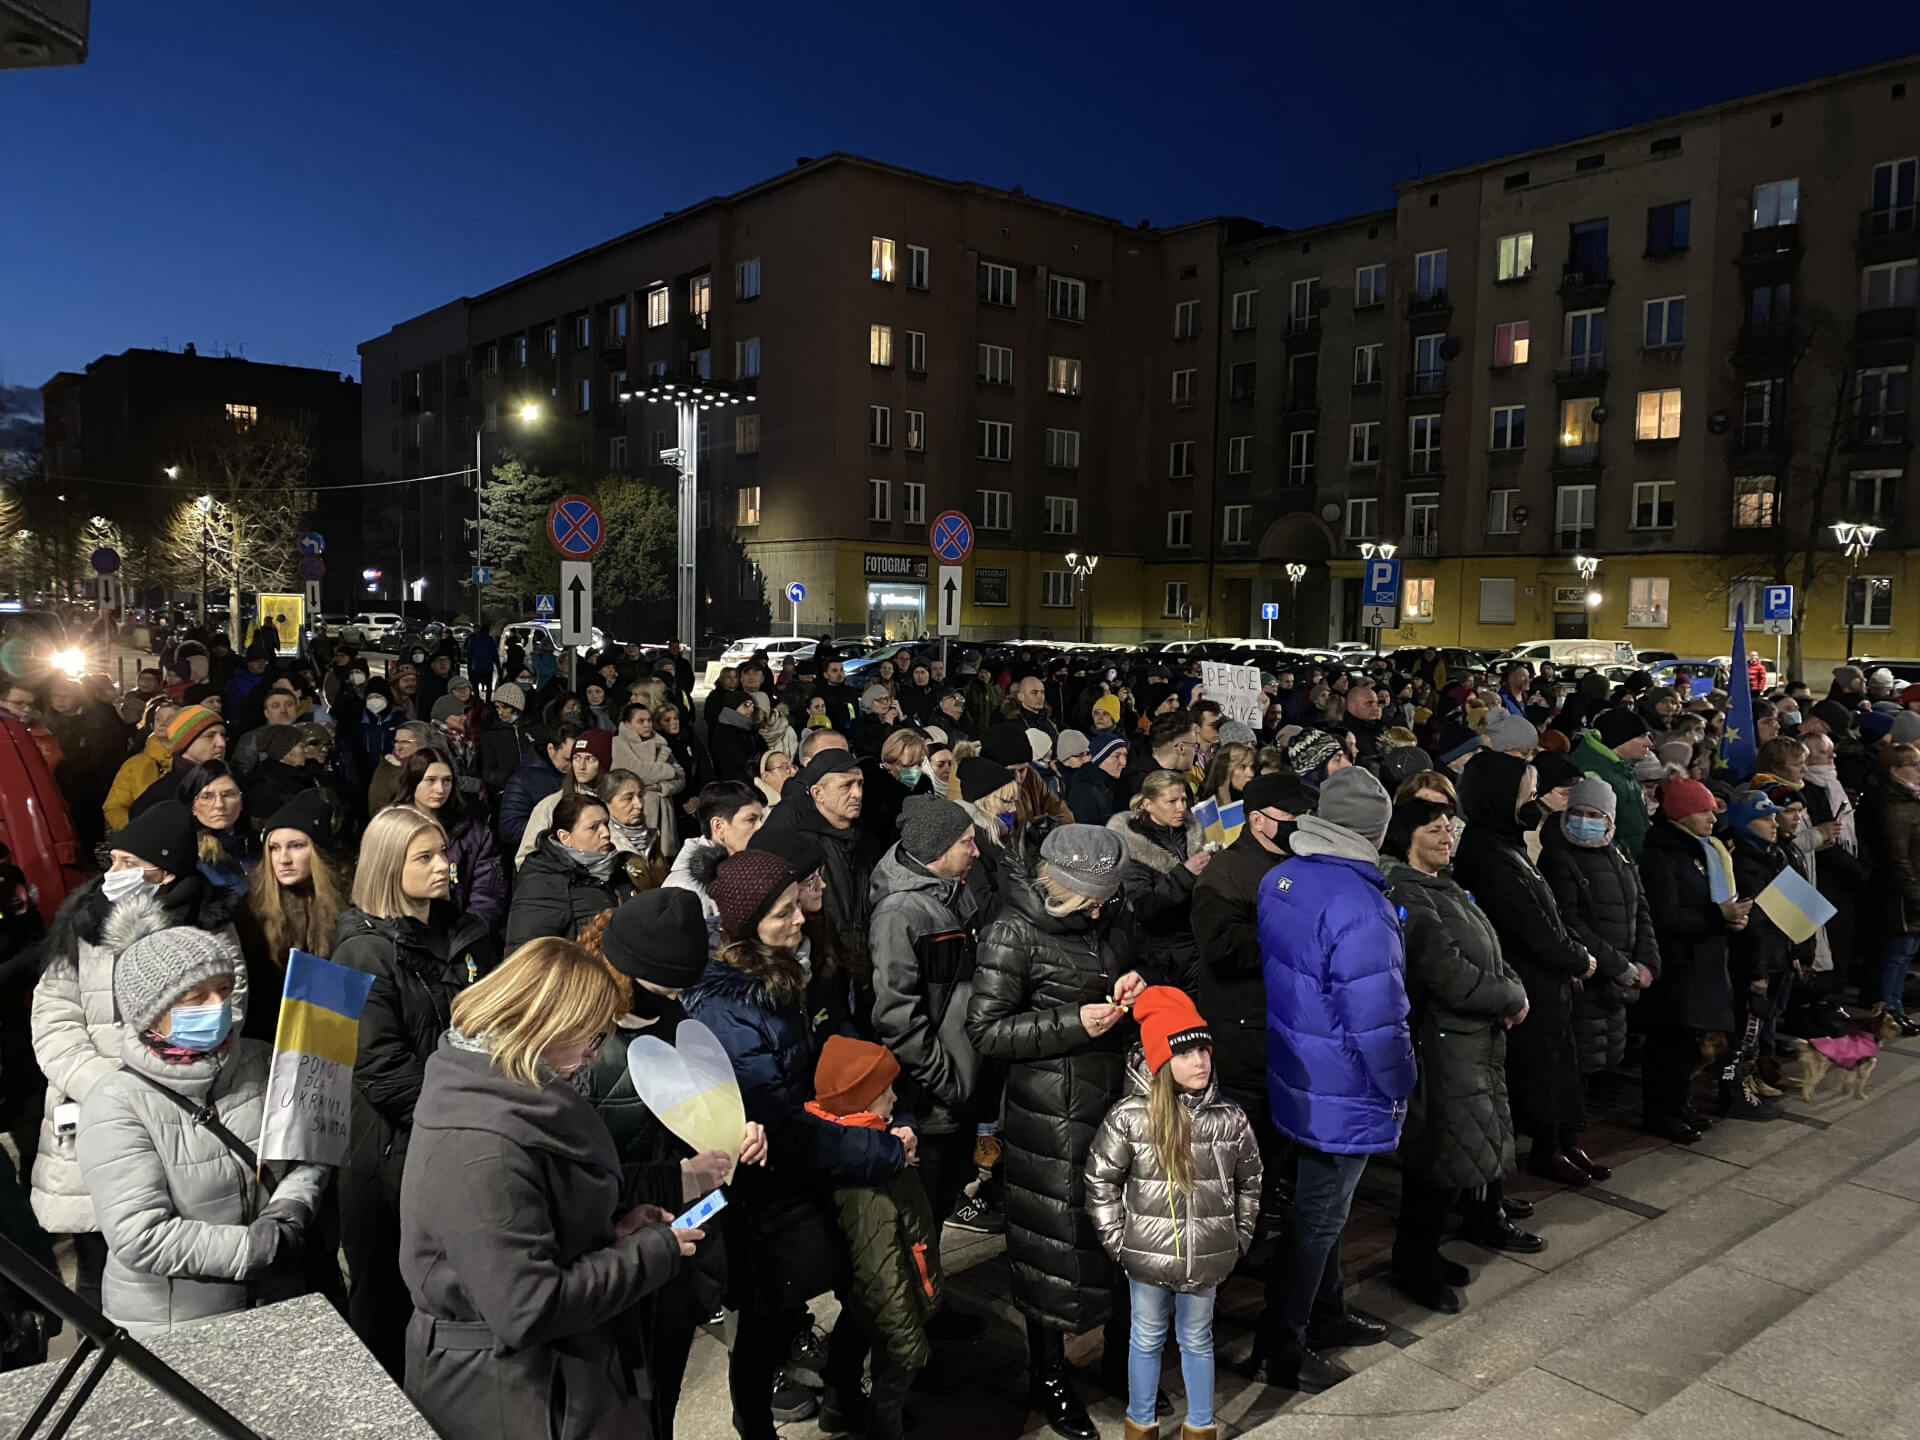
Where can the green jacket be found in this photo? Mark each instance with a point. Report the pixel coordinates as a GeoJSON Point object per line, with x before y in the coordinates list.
{"type": "Point", "coordinates": [896, 1265]}
{"type": "Point", "coordinates": [1632, 821]}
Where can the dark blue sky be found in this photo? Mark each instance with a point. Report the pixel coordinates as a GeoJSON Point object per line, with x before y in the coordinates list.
{"type": "Point", "coordinates": [296, 177]}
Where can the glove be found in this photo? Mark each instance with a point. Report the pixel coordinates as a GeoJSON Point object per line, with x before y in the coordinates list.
{"type": "Point", "coordinates": [266, 1239]}
{"type": "Point", "coordinates": [289, 1210]}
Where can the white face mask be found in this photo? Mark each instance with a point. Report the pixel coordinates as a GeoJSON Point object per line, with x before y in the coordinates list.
{"type": "Point", "coordinates": [118, 884]}
{"type": "Point", "coordinates": [376, 703]}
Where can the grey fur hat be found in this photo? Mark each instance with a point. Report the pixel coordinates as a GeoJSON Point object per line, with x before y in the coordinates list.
{"type": "Point", "coordinates": [156, 960]}
{"type": "Point", "coordinates": [1086, 859]}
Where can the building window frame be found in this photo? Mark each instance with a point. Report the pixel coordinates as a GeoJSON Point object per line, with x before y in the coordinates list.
{"type": "Point", "coordinates": [1064, 375]}
{"type": "Point", "coordinates": [1067, 299]}
{"type": "Point", "coordinates": [880, 427]}
{"type": "Point", "coordinates": [1056, 590]}
{"type": "Point", "coordinates": [659, 306]}
{"type": "Point", "coordinates": [1184, 390]}
{"type": "Point", "coordinates": [1244, 309]}
{"type": "Point", "coordinates": [995, 364]}
{"type": "Point", "coordinates": [1180, 460]}
{"type": "Point", "coordinates": [1657, 415]}
{"type": "Point", "coordinates": [883, 256]}
{"type": "Point", "coordinates": [1062, 515]}
{"type": "Point", "coordinates": [1756, 501]}
{"type": "Point", "coordinates": [1063, 449]}
{"type": "Point", "coordinates": [1663, 322]}
{"type": "Point", "coordinates": [1186, 319]}
{"type": "Point", "coordinates": [1507, 428]}
{"type": "Point", "coordinates": [1500, 504]}
{"type": "Point", "coordinates": [1236, 523]}
{"type": "Point", "coordinates": [1240, 454]}
{"type": "Point", "coordinates": [919, 268]}
{"type": "Point", "coordinates": [996, 441]}
{"type": "Point", "coordinates": [916, 352]}
{"type": "Point", "coordinates": [996, 509]}
{"type": "Point", "coordinates": [999, 284]}
{"type": "Point", "coordinates": [1174, 599]}
{"type": "Point", "coordinates": [1369, 285]}
{"type": "Point", "coordinates": [1653, 505]}
{"type": "Point", "coordinates": [1180, 529]}
{"type": "Point", "coordinates": [1362, 518]}
{"type": "Point", "coordinates": [1366, 364]}
{"type": "Point", "coordinates": [746, 279]}
{"type": "Point", "coordinates": [1868, 603]}
{"type": "Point", "coordinates": [1649, 600]}
{"type": "Point", "coordinates": [1303, 448]}
{"type": "Point", "coordinates": [880, 346]}
{"type": "Point", "coordinates": [746, 434]}
{"type": "Point", "coordinates": [1513, 257]}
{"type": "Point", "coordinates": [913, 502]}
{"type": "Point", "coordinates": [879, 502]}
{"type": "Point", "coordinates": [1363, 444]}
{"type": "Point", "coordinates": [916, 436]}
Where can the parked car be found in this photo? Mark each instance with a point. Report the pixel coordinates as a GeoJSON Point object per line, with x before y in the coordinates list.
{"type": "Point", "coordinates": [1573, 652]}
{"type": "Point", "coordinates": [522, 631]}
{"type": "Point", "coordinates": [363, 628]}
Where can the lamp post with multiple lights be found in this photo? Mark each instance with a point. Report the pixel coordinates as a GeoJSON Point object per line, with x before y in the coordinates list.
{"type": "Point", "coordinates": [1857, 541]}
{"type": "Point", "coordinates": [1296, 572]}
{"type": "Point", "coordinates": [1589, 566]}
{"type": "Point", "coordinates": [528, 413]}
{"type": "Point", "coordinates": [1083, 567]}
{"type": "Point", "coordinates": [1384, 550]}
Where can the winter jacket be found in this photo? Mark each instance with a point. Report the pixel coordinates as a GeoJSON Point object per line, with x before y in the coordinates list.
{"type": "Point", "coordinates": [532, 782]}
{"type": "Point", "coordinates": [1459, 1132]}
{"type": "Point", "coordinates": [1035, 971]}
{"type": "Point", "coordinates": [736, 747]}
{"type": "Point", "coordinates": [882, 799]}
{"type": "Point", "coordinates": [1339, 1053]}
{"type": "Point", "coordinates": [1090, 795]}
{"type": "Point", "coordinates": [1693, 989]}
{"type": "Point", "coordinates": [921, 938]}
{"type": "Point", "coordinates": [1163, 892]}
{"type": "Point", "coordinates": [136, 773]}
{"type": "Point", "coordinates": [893, 1245]}
{"type": "Point", "coordinates": [479, 875]}
{"type": "Point", "coordinates": [1232, 990]}
{"type": "Point", "coordinates": [1160, 1236]}
{"type": "Point", "coordinates": [502, 748]}
{"type": "Point", "coordinates": [851, 855]}
{"type": "Point", "coordinates": [77, 1034]}
{"type": "Point", "coordinates": [1761, 951]}
{"type": "Point", "coordinates": [1631, 820]}
{"type": "Point", "coordinates": [693, 870]}
{"type": "Point", "coordinates": [1604, 906]}
{"type": "Point", "coordinates": [1492, 864]}
{"type": "Point", "coordinates": [554, 895]}
{"type": "Point", "coordinates": [653, 761]}
{"type": "Point", "coordinates": [1899, 829]}
{"type": "Point", "coordinates": [523, 1295]}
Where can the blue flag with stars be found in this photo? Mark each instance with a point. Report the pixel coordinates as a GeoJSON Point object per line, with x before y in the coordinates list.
{"type": "Point", "coordinates": [1739, 756]}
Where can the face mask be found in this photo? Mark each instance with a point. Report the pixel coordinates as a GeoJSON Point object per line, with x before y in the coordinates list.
{"type": "Point", "coordinates": [1283, 833]}
{"type": "Point", "coordinates": [1789, 717]}
{"type": "Point", "coordinates": [201, 1027]}
{"type": "Point", "coordinates": [376, 704]}
{"type": "Point", "coordinates": [1586, 829]}
{"type": "Point", "coordinates": [910, 775]}
{"type": "Point", "coordinates": [358, 677]}
{"type": "Point", "coordinates": [118, 884]}
{"type": "Point", "coordinates": [1530, 814]}
{"type": "Point", "coordinates": [1005, 817]}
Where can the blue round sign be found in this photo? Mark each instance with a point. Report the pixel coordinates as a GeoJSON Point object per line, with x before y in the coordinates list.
{"type": "Point", "coordinates": [951, 536]}
{"type": "Point", "coordinates": [575, 528]}
{"type": "Point", "coordinates": [796, 592]}
{"type": "Point", "coordinates": [313, 543]}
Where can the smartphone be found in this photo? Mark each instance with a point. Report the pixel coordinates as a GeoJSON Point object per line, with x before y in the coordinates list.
{"type": "Point", "coordinates": [702, 1210]}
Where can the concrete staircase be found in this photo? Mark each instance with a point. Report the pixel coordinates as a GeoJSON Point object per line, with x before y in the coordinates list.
{"type": "Point", "coordinates": [1763, 1284]}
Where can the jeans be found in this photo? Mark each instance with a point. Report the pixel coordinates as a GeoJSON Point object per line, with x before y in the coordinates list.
{"type": "Point", "coordinates": [1310, 1243]}
{"type": "Point", "coordinates": [1895, 959]}
{"type": "Point", "coordinates": [1192, 1317]}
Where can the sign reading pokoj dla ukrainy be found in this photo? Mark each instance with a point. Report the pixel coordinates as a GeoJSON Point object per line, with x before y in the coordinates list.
{"type": "Point", "coordinates": [309, 1101]}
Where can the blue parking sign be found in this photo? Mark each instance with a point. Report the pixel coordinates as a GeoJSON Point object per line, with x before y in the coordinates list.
{"type": "Point", "coordinates": [1778, 603]}
{"type": "Point", "coordinates": [1381, 583]}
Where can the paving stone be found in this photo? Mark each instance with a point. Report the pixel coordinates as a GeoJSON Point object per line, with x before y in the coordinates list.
{"type": "Point", "coordinates": [1572, 1224]}
{"type": "Point", "coordinates": [1652, 1351]}
{"type": "Point", "coordinates": [1534, 1406]}
{"type": "Point", "coordinates": [1862, 1134]}
{"type": "Point", "coordinates": [1825, 1238]}
{"type": "Point", "coordinates": [1747, 1142]}
{"type": "Point", "coordinates": [1706, 1412]}
{"type": "Point", "coordinates": [1895, 1174]}
{"type": "Point", "coordinates": [1670, 1175]}
{"type": "Point", "coordinates": [1397, 1385]}
{"type": "Point", "coordinates": [1494, 1275]}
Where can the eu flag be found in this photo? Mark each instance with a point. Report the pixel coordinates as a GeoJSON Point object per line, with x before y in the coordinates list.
{"type": "Point", "coordinates": [1739, 755]}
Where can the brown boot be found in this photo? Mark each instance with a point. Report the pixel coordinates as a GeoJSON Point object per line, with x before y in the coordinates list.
{"type": "Point", "coordinates": [1199, 1432]}
{"type": "Point", "coordinates": [1143, 1432]}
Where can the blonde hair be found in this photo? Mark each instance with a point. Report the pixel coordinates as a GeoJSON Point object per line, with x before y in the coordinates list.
{"type": "Point", "coordinates": [1226, 760]}
{"type": "Point", "coordinates": [548, 992]}
{"type": "Point", "coordinates": [302, 922]}
{"type": "Point", "coordinates": [1154, 786]}
{"type": "Point", "coordinates": [383, 857]}
{"type": "Point", "coordinates": [1060, 901]}
{"type": "Point", "coordinates": [899, 743]}
{"type": "Point", "coordinates": [1170, 1129]}
{"type": "Point", "coordinates": [1426, 780]}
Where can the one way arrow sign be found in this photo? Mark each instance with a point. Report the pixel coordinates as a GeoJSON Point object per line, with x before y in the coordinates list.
{"type": "Point", "coordinates": [576, 602]}
{"type": "Point", "coordinates": [951, 577]}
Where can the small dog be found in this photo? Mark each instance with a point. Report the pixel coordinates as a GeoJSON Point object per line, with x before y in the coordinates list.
{"type": "Point", "coordinates": [1811, 1060]}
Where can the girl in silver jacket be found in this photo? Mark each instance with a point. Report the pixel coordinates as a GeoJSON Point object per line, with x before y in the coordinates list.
{"type": "Point", "coordinates": [1173, 1187]}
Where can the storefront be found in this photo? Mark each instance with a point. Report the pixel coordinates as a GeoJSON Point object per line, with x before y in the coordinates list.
{"type": "Point", "coordinates": [896, 595]}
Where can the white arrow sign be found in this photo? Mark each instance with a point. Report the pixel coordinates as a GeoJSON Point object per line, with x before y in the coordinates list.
{"type": "Point", "coordinates": [576, 602]}
{"type": "Point", "coordinates": [948, 594]}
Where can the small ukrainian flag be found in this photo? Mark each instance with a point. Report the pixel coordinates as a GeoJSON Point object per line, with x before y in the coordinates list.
{"type": "Point", "coordinates": [310, 1081]}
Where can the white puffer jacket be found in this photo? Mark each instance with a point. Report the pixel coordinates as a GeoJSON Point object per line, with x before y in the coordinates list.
{"type": "Point", "coordinates": [77, 1039]}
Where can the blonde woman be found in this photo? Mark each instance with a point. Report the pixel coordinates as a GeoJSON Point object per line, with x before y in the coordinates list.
{"type": "Point", "coordinates": [1167, 844]}
{"type": "Point", "coordinates": [294, 899]}
{"type": "Point", "coordinates": [519, 1295]}
{"type": "Point", "coordinates": [422, 952]}
{"type": "Point", "coordinates": [1227, 776]}
{"type": "Point", "coordinates": [1054, 976]}
{"type": "Point", "coordinates": [988, 792]}
{"type": "Point", "coordinates": [899, 772]}
{"type": "Point", "coordinates": [776, 768]}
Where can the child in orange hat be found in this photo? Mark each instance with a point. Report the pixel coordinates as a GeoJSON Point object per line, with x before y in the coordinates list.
{"type": "Point", "coordinates": [1173, 1187]}
{"type": "Point", "coordinates": [889, 1229]}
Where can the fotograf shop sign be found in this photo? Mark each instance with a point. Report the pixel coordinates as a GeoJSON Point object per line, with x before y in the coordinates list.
{"type": "Point", "coordinates": [989, 585]}
{"type": "Point", "coordinates": [895, 567]}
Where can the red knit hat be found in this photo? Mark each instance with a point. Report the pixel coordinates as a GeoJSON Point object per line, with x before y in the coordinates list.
{"type": "Point", "coordinates": [1169, 1024]}
{"type": "Point", "coordinates": [1681, 798]}
{"type": "Point", "coordinates": [851, 1074]}
{"type": "Point", "coordinates": [744, 887]}
{"type": "Point", "coordinates": [597, 743]}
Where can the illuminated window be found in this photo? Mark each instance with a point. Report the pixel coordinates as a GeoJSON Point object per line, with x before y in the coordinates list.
{"type": "Point", "coordinates": [658, 306]}
{"type": "Point", "coordinates": [1753, 499]}
{"type": "Point", "coordinates": [748, 505]}
{"type": "Point", "coordinates": [1510, 343]}
{"type": "Point", "coordinates": [1659, 415]}
{"type": "Point", "coordinates": [880, 345]}
{"type": "Point", "coordinates": [1516, 256]}
{"type": "Point", "coordinates": [883, 259]}
{"type": "Point", "coordinates": [1577, 425]}
{"type": "Point", "coordinates": [699, 297]}
{"type": "Point", "coordinates": [243, 417]}
{"type": "Point", "coordinates": [1647, 601]}
{"type": "Point", "coordinates": [1063, 375]}
{"type": "Point", "coordinates": [1416, 605]}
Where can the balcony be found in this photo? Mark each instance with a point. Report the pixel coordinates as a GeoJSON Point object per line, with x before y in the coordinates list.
{"type": "Point", "coordinates": [1572, 539]}
{"type": "Point", "coordinates": [1425, 465]}
{"type": "Point", "coordinates": [1771, 250]}
{"type": "Point", "coordinates": [1585, 456]}
{"type": "Point", "coordinates": [1888, 234]}
{"type": "Point", "coordinates": [1764, 345]}
{"type": "Point", "coordinates": [1433, 302]}
{"type": "Point", "coordinates": [1581, 375]}
{"type": "Point", "coordinates": [1300, 402]}
{"type": "Point", "coordinates": [613, 348]}
{"type": "Point", "coordinates": [1421, 547]}
{"type": "Point", "coordinates": [1881, 427]}
{"type": "Point", "coordinates": [1427, 390]}
{"type": "Point", "coordinates": [1303, 333]}
{"type": "Point", "coordinates": [1889, 323]}
{"type": "Point", "coordinates": [1585, 285]}
{"type": "Point", "coordinates": [1758, 439]}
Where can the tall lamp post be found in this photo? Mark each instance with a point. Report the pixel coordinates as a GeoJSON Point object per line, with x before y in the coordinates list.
{"type": "Point", "coordinates": [1589, 566]}
{"type": "Point", "coordinates": [528, 413]}
{"type": "Point", "coordinates": [688, 398]}
{"type": "Point", "coordinates": [1857, 541]}
{"type": "Point", "coordinates": [1083, 567]}
{"type": "Point", "coordinates": [205, 506]}
{"type": "Point", "coordinates": [1385, 550]}
{"type": "Point", "coordinates": [1296, 572]}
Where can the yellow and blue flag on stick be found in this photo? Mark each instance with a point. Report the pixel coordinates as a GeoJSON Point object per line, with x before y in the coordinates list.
{"type": "Point", "coordinates": [1720, 888]}
{"type": "Point", "coordinates": [1220, 824]}
{"type": "Point", "coordinates": [310, 1081]}
{"type": "Point", "coordinates": [1794, 905]}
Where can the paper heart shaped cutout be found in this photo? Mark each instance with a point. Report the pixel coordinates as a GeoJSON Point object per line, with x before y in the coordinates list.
{"type": "Point", "coordinates": [690, 1086]}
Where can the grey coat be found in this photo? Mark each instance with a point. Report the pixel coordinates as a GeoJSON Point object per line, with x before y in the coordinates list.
{"type": "Point", "coordinates": [523, 1295]}
{"type": "Point", "coordinates": [173, 1201]}
{"type": "Point", "coordinates": [1187, 1243]}
{"type": "Point", "coordinates": [1459, 1132]}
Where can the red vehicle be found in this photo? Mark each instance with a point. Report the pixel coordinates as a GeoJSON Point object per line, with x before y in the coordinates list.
{"type": "Point", "coordinates": [39, 854]}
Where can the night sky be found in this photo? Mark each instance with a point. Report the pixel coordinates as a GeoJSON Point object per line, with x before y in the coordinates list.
{"type": "Point", "coordinates": [294, 178]}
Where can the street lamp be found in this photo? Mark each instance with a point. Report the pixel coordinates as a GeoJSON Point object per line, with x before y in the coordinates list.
{"type": "Point", "coordinates": [205, 506]}
{"type": "Point", "coordinates": [1856, 540]}
{"type": "Point", "coordinates": [1082, 567]}
{"type": "Point", "coordinates": [1296, 572]}
{"type": "Point", "coordinates": [528, 412]}
{"type": "Point", "coordinates": [688, 398]}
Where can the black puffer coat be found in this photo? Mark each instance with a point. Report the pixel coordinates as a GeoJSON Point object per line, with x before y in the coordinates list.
{"type": "Point", "coordinates": [555, 895]}
{"type": "Point", "coordinates": [1543, 1068]}
{"type": "Point", "coordinates": [1693, 989]}
{"type": "Point", "coordinates": [1459, 1132]}
{"type": "Point", "coordinates": [1233, 988]}
{"type": "Point", "coordinates": [1034, 972]}
{"type": "Point", "coordinates": [1161, 888]}
{"type": "Point", "coordinates": [1603, 903]}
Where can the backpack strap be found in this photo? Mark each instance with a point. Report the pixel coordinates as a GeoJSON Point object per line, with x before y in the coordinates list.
{"type": "Point", "coordinates": [207, 1119]}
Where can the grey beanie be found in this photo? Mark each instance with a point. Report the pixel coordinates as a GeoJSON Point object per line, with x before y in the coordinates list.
{"type": "Point", "coordinates": [1596, 794]}
{"type": "Point", "coordinates": [1508, 731]}
{"type": "Point", "coordinates": [1354, 800]}
{"type": "Point", "coordinates": [929, 827]}
{"type": "Point", "coordinates": [1086, 859]}
{"type": "Point", "coordinates": [157, 961]}
{"type": "Point", "coordinates": [1906, 728]}
{"type": "Point", "coordinates": [873, 692]}
{"type": "Point", "coordinates": [446, 707]}
{"type": "Point", "coordinates": [1649, 768]}
{"type": "Point", "coordinates": [1070, 744]}
{"type": "Point", "coordinates": [1235, 732]}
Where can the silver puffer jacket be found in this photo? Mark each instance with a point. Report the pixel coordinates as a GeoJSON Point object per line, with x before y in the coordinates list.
{"type": "Point", "coordinates": [1186, 1243]}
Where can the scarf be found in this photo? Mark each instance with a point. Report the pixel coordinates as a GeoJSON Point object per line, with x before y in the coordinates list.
{"type": "Point", "coordinates": [168, 1053]}
{"type": "Point", "coordinates": [634, 839]}
{"type": "Point", "coordinates": [860, 1121]}
{"type": "Point", "coordinates": [597, 864]}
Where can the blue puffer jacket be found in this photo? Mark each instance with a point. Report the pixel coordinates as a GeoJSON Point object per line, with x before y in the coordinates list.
{"type": "Point", "coordinates": [772, 1023]}
{"type": "Point", "coordinates": [1339, 1055]}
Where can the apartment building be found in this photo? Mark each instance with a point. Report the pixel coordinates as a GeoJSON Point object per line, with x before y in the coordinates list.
{"type": "Point", "coordinates": [902, 345]}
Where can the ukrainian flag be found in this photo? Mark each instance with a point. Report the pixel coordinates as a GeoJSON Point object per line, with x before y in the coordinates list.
{"type": "Point", "coordinates": [1794, 905]}
{"type": "Point", "coordinates": [310, 1081]}
{"type": "Point", "coordinates": [1207, 812]}
{"type": "Point", "coordinates": [1719, 869]}
{"type": "Point", "coordinates": [1233, 815]}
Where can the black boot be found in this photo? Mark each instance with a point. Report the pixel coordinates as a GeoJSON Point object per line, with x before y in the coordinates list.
{"type": "Point", "coordinates": [1050, 1391]}
{"type": "Point", "coordinates": [1740, 1101]}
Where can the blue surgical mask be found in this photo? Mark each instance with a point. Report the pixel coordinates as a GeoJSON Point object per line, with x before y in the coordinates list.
{"type": "Point", "coordinates": [1788, 718]}
{"type": "Point", "coordinates": [201, 1027]}
{"type": "Point", "coordinates": [1005, 817]}
{"type": "Point", "coordinates": [909, 775]}
{"type": "Point", "coordinates": [1586, 829]}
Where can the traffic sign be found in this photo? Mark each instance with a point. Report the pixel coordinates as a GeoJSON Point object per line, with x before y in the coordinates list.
{"type": "Point", "coordinates": [1779, 602]}
{"type": "Point", "coordinates": [796, 592]}
{"type": "Point", "coordinates": [951, 536]}
{"type": "Point", "coordinates": [106, 560]}
{"type": "Point", "coordinates": [312, 568]}
{"type": "Point", "coordinates": [574, 527]}
{"type": "Point", "coordinates": [1380, 617]}
{"type": "Point", "coordinates": [313, 543]}
{"type": "Point", "coordinates": [1270, 610]}
{"type": "Point", "coordinates": [1382, 584]}
{"type": "Point", "coordinates": [543, 605]}
{"type": "Point", "coordinates": [576, 615]}
{"type": "Point", "coordinates": [483, 575]}
{"type": "Point", "coordinates": [313, 595]}
{"type": "Point", "coordinates": [952, 577]}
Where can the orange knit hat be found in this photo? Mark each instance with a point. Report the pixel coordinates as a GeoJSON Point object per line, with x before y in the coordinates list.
{"type": "Point", "coordinates": [852, 1074]}
{"type": "Point", "coordinates": [1168, 1024]}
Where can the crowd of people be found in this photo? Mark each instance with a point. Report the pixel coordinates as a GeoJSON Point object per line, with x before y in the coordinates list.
{"type": "Point", "coordinates": [977, 961]}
